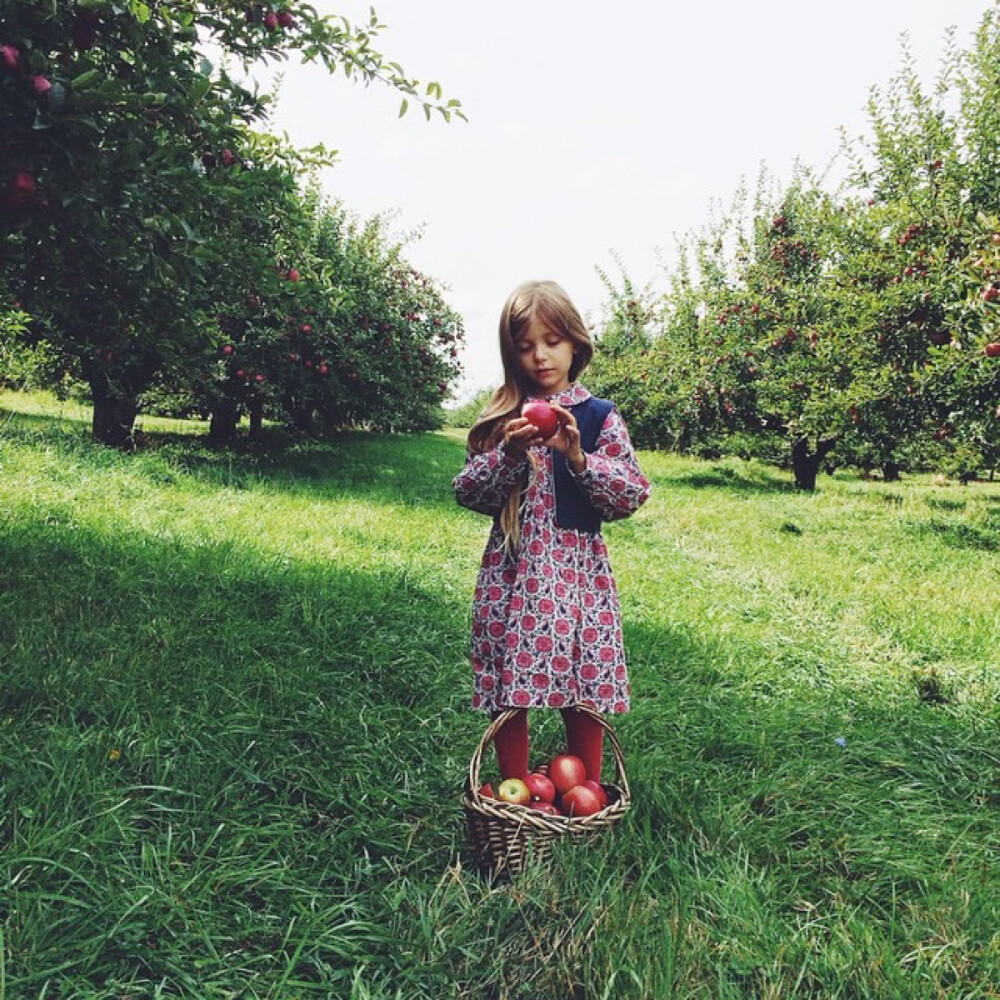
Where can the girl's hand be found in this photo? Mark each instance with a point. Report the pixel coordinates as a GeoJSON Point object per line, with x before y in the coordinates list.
{"type": "Point", "coordinates": [518, 436]}
{"type": "Point", "coordinates": [567, 439]}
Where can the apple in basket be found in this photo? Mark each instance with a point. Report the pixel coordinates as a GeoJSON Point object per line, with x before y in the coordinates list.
{"type": "Point", "coordinates": [598, 790]}
{"type": "Point", "coordinates": [541, 788]}
{"type": "Point", "coordinates": [514, 791]}
{"type": "Point", "coordinates": [565, 771]}
{"type": "Point", "coordinates": [580, 801]}
{"type": "Point", "coordinates": [486, 791]}
{"type": "Point", "coordinates": [543, 807]}
{"type": "Point", "coordinates": [542, 416]}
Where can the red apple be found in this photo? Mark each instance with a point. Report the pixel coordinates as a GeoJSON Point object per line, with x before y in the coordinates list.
{"type": "Point", "coordinates": [22, 184]}
{"type": "Point", "coordinates": [285, 19]}
{"type": "Point", "coordinates": [324, 369]}
{"type": "Point", "coordinates": [259, 378]}
{"type": "Point", "coordinates": [293, 275]}
{"type": "Point", "coordinates": [271, 21]}
{"type": "Point", "coordinates": [566, 771]}
{"type": "Point", "coordinates": [598, 790]}
{"type": "Point", "coordinates": [514, 791]}
{"type": "Point", "coordinates": [541, 787]}
{"type": "Point", "coordinates": [543, 807]}
{"type": "Point", "coordinates": [580, 801]}
{"type": "Point", "coordinates": [992, 350]}
{"type": "Point", "coordinates": [240, 373]}
{"type": "Point", "coordinates": [486, 791]}
{"type": "Point", "coordinates": [227, 348]}
{"type": "Point", "coordinates": [228, 157]}
{"type": "Point", "coordinates": [40, 85]}
{"type": "Point", "coordinates": [542, 416]}
{"type": "Point", "coordinates": [10, 56]}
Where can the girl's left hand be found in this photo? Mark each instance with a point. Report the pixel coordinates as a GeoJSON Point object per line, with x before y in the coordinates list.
{"type": "Point", "coordinates": [567, 438]}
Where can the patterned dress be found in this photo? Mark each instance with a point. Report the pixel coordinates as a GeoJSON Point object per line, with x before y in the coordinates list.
{"type": "Point", "coordinates": [546, 627]}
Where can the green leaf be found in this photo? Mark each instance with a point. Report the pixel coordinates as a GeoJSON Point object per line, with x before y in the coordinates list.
{"type": "Point", "coordinates": [403, 107]}
{"type": "Point", "coordinates": [85, 79]}
{"type": "Point", "coordinates": [200, 88]}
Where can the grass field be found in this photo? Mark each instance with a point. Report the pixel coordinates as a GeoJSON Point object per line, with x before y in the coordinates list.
{"type": "Point", "coordinates": [234, 730]}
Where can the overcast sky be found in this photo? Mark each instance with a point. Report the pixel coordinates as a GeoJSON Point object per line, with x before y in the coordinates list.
{"type": "Point", "coordinates": [594, 128]}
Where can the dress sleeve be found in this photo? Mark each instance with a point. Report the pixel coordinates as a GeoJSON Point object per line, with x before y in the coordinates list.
{"type": "Point", "coordinates": [611, 479]}
{"type": "Point", "coordinates": [487, 479]}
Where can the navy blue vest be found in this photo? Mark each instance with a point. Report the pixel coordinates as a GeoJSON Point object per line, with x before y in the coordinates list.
{"type": "Point", "coordinates": [573, 509]}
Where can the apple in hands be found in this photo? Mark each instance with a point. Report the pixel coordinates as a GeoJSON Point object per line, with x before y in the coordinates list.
{"type": "Point", "coordinates": [542, 416]}
{"type": "Point", "coordinates": [514, 791]}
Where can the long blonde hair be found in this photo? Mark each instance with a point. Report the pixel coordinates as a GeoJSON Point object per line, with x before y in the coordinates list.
{"type": "Point", "coordinates": [546, 302]}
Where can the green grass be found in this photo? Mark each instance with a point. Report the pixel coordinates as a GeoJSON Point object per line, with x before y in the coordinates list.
{"type": "Point", "coordinates": [234, 729]}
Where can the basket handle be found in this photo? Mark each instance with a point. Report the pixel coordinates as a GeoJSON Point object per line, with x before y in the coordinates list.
{"type": "Point", "coordinates": [501, 720]}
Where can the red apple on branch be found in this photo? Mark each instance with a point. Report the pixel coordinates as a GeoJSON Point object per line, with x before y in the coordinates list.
{"type": "Point", "coordinates": [992, 350]}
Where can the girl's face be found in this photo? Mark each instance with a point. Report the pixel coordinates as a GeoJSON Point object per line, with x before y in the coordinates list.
{"type": "Point", "coordinates": [545, 357]}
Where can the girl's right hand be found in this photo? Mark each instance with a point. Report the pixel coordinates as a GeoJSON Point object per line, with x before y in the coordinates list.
{"type": "Point", "coordinates": [519, 435]}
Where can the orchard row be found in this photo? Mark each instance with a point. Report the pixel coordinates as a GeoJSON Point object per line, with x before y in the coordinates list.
{"type": "Point", "coordinates": [859, 327]}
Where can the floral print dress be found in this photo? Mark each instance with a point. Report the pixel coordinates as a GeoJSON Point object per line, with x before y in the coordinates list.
{"type": "Point", "coordinates": [546, 627]}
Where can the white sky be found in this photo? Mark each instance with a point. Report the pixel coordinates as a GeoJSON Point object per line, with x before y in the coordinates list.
{"type": "Point", "coordinates": [593, 127]}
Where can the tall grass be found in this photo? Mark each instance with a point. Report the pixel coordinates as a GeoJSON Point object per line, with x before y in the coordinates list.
{"type": "Point", "coordinates": [234, 728]}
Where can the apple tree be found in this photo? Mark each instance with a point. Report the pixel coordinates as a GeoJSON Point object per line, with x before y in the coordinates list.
{"type": "Point", "coordinates": [119, 135]}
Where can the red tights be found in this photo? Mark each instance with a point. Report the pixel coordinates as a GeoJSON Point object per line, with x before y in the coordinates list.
{"type": "Point", "coordinates": [584, 738]}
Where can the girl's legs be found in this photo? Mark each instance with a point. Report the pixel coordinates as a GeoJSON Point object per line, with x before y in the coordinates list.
{"type": "Point", "coordinates": [585, 739]}
{"type": "Point", "coordinates": [512, 746]}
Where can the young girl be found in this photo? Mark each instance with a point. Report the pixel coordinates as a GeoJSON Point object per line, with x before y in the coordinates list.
{"type": "Point", "coordinates": [546, 629]}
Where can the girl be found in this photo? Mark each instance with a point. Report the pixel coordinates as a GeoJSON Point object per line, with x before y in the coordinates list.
{"type": "Point", "coordinates": [546, 629]}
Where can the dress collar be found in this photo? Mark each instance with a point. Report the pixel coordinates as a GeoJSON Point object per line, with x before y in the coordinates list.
{"type": "Point", "coordinates": [576, 393]}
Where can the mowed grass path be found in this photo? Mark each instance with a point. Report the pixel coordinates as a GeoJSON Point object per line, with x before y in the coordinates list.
{"type": "Point", "coordinates": [234, 729]}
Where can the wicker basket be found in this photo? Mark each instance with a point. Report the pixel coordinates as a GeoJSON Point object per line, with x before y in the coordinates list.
{"type": "Point", "coordinates": [503, 835]}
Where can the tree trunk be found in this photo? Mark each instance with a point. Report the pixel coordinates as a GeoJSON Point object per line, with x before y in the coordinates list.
{"type": "Point", "coordinates": [115, 410]}
{"type": "Point", "coordinates": [805, 464]}
{"type": "Point", "coordinates": [256, 419]}
{"type": "Point", "coordinates": [301, 416]}
{"type": "Point", "coordinates": [332, 421]}
{"type": "Point", "coordinates": [222, 429]}
{"type": "Point", "coordinates": [890, 472]}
